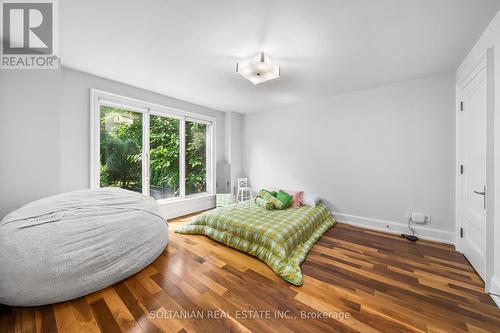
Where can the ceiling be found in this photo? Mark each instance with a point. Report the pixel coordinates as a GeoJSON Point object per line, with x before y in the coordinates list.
{"type": "Point", "coordinates": [188, 49]}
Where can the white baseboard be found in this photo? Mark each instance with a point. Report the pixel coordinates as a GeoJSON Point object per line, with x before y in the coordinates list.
{"type": "Point", "coordinates": [495, 289]}
{"type": "Point", "coordinates": [175, 208]}
{"type": "Point", "coordinates": [427, 233]}
{"type": "Point", "coordinates": [496, 299]}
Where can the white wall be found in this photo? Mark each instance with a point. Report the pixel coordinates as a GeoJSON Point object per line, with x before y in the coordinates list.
{"type": "Point", "coordinates": [490, 39]}
{"type": "Point", "coordinates": [234, 145]}
{"type": "Point", "coordinates": [29, 136]}
{"type": "Point", "coordinates": [371, 155]}
{"type": "Point", "coordinates": [75, 122]}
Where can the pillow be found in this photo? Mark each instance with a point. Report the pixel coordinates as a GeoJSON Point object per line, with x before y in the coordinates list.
{"type": "Point", "coordinates": [285, 198]}
{"type": "Point", "coordinates": [264, 203]}
{"type": "Point", "coordinates": [268, 197]}
{"type": "Point", "coordinates": [311, 199]}
{"type": "Point", "coordinates": [273, 193]}
{"type": "Point", "coordinates": [298, 198]}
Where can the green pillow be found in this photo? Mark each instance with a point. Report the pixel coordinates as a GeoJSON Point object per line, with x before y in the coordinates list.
{"type": "Point", "coordinates": [285, 198]}
{"type": "Point", "coordinates": [273, 193]}
{"type": "Point", "coordinates": [268, 197]}
{"type": "Point", "coordinates": [264, 203]}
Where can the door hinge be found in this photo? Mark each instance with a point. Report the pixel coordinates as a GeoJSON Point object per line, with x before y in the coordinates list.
{"type": "Point", "coordinates": [461, 106]}
{"type": "Point", "coordinates": [461, 169]}
{"type": "Point", "coordinates": [461, 232]}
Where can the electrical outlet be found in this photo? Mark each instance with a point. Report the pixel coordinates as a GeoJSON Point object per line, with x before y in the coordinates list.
{"type": "Point", "coordinates": [420, 218]}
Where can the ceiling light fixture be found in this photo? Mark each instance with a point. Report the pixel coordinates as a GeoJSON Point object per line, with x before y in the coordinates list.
{"type": "Point", "coordinates": [258, 69]}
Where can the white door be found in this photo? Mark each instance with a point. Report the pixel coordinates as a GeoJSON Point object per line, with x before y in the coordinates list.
{"type": "Point", "coordinates": [474, 172]}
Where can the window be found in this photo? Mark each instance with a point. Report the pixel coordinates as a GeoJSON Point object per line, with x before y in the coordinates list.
{"type": "Point", "coordinates": [196, 157]}
{"type": "Point", "coordinates": [164, 149]}
{"type": "Point", "coordinates": [120, 148]}
{"type": "Point", "coordinates": [147, 148]}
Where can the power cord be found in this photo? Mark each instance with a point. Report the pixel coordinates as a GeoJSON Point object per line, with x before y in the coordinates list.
{"type": "Point", "coordinates": [412, 237]}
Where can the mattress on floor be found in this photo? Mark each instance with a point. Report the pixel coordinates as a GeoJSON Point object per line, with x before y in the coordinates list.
{"type": "Point", "coordinates": [280, 238]}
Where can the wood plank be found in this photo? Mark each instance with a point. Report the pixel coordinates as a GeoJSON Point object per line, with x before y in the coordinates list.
{"type": "Point", "coordinates": [104, 317]}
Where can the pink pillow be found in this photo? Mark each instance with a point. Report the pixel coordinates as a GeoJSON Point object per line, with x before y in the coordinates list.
{"type": "Point", "coordinates": [298, 197]}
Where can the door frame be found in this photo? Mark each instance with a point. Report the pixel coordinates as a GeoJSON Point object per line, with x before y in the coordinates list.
{"type": "Point", "coordinates": [484, 62]}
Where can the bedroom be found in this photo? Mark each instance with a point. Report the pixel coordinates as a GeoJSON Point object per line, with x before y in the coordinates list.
{"type": "Point", "coordinates": [339, 125]}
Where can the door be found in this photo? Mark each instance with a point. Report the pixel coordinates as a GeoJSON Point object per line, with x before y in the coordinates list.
{"type": "Point", "coordinates": [474, 172]}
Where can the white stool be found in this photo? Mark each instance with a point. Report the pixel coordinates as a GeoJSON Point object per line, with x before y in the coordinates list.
{"type": "Point", "coordinates": [244, 192]}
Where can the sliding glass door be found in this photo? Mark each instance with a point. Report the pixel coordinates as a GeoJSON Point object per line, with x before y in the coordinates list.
{"type": "Point", "coordinates": [121, 148]}
{"type": "Point", "coordinates": [149, 149]}
{"type": "Point", "coordinates": [164, 151]}
{"type": "Point", "coordinates": [196, 157]}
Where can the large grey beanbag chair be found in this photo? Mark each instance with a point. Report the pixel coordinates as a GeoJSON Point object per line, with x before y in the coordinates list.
{"type": "Point", "coordinates": [70, 245]}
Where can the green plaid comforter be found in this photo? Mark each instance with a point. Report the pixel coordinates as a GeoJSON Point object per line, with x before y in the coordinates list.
{"type": "Point", "coordinates": [280, 238]}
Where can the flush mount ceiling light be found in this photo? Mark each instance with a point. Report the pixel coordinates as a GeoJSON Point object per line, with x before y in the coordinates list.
{"type": "Point", "coordinates": [258, 69]}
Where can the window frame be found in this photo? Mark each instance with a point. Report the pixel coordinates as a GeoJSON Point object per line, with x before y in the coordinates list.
{"type": "Point", "coordinates": [98, 98]}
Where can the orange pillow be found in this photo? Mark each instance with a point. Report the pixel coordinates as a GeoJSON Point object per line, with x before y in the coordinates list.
{"type": "Point", "coordinates": [298, 197]}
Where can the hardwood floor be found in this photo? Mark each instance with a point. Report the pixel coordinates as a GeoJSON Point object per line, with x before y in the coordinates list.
{"type": "Point", "coordinates": [356, 280]}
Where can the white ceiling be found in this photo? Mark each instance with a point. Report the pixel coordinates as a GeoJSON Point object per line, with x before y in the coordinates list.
{"type": "Point", "coordinates": [188, 49]}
